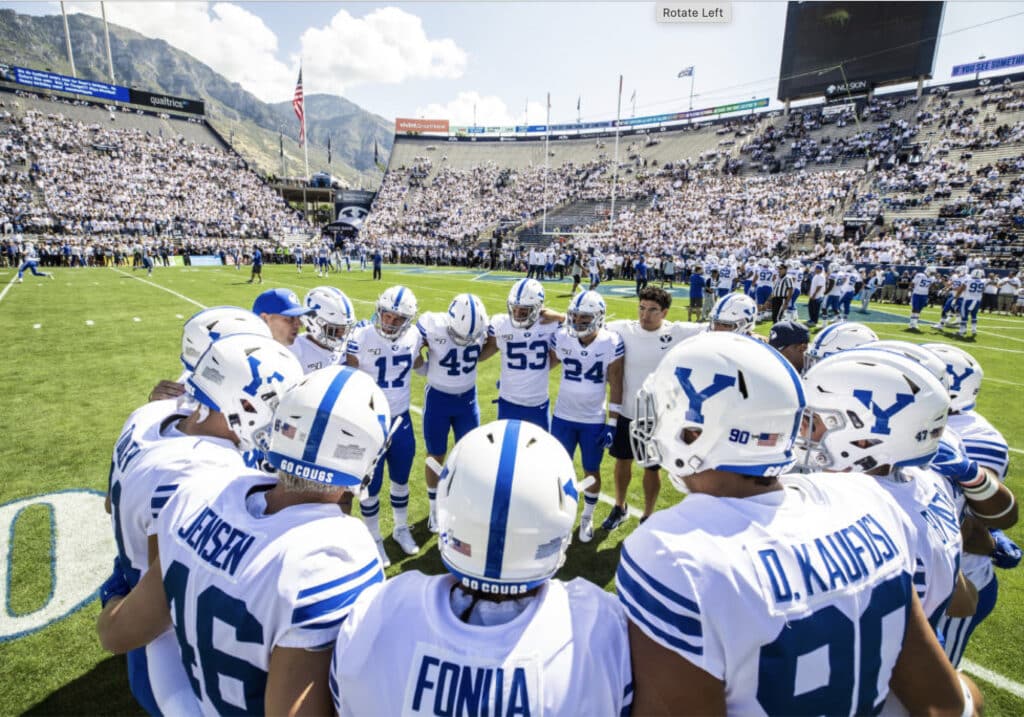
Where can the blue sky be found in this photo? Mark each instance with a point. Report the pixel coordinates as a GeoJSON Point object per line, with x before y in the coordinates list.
{"type": "Point", "coordinates": [440, 59]}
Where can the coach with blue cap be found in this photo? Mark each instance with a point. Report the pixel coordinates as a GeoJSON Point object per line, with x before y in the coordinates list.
{"type": "Point", "coordinates": [790, 339]}
{"type": "Point", "coordinates": [281, 310]}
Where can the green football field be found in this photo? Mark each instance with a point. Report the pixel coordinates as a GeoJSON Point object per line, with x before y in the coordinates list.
{"type": "Point", "coordinates": [82, 351]}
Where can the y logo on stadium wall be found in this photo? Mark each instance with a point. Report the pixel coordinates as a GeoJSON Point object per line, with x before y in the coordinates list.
{"type": "Point", "coordinates": [81, 551]}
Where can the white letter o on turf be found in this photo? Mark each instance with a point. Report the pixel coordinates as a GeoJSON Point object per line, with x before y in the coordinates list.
{"type": "Point", "coordinates": [82, 550]}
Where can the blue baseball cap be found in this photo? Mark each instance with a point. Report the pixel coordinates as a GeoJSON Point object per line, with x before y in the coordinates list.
{"type": "Point", "coordinates": [279, 301]}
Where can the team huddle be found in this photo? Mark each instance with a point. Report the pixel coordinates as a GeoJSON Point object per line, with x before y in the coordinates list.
{"type": "Point", "coordinates": [833, 556]}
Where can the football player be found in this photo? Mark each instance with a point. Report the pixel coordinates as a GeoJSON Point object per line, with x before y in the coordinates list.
{"type": "Point", "coordinates": [452, 343]}
{"type": "Point", "coordinates": [236, 385]}
{"type": "Point", "coordinates": [969, 294]}
{"type": "Point", "coordinates": [31, 263]}
{"type": "Point", "coordinates": [297, 253]}
{"type": "Point", "coordinates": [764, 278]}
{"type": "Point", "coordinates": [591, 358]}
{"type": "Point", "coordinates": [815, 565]}
{"type": "Point", "coordinates": [645, 341]}
{"type": "Point", "coordinates": [985, 445]}
{"type": "Point", "coordinates": [258, 574]}
{"type": "Point", "coordinates": [734, 312]}
{"type": "Point", "coordinates": [499, 635]}
{"type": "Point", "coordinates": [951, 306]}
{"type": "Point", "coordinates": [328, 323]}
{"type": "Point", "coordinates": [522, 337]}
{"type": "Point", "coordinates": [386, 350]}
{"type": "Point", "coordinates": [878, 412]}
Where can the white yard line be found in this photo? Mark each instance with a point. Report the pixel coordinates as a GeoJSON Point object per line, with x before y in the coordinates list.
{"type": "Point", "coordinates": [162, 288]}
{"type": "Point", "coordinates": [1015, 450]}
{"type": "Point", "coordinates": [8, 287]}
{"type": "Point", "coordinates": [993, 678]}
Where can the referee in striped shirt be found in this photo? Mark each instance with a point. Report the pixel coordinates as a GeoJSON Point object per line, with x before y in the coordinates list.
{"type": "Point", "coordinates": [782, 292]}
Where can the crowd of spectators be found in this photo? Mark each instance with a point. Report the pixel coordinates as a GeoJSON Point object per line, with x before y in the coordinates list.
{"type": "Point", "coordinates": [60, 176]}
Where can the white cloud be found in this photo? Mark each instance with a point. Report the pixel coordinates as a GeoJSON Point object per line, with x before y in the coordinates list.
{"type": "Point", "coordinates": [388, 45]}
{"type": "Point", "coordinates": [230, 39]}
{"type": "Point", "coordinates": [490, 111]}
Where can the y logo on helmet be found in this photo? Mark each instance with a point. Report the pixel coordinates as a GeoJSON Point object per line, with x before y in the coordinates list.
{"type": "Point", "coordinates": [882, 415]}
{"type": "Point", "coordinates": [956, 378]}
{"type": "Point", "coordinates": [697, 398]}
{"type": "Point", "coordinates": [257, 380]}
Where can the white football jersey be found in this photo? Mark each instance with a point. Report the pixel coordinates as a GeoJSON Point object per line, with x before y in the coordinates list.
{"type": "Point", "coordinates": [926, 498]}
{"type": "Point", "coordinates": [973, 289]}
{"type": "Point", "coordinates": [920, 284]}
{"type": "Point", "coordinates": [594, 263]}
{"type": "Point", "coordinates": [241, 582]}
{"type": "Point", "coordinates": [837, 278]}
{"type": "Point", "coordinates": [524, 360]}
{"type": "Point", "coordinates": [726, 276]}
{"type": "Point", "coordinates": [765, 593]}
{"type": "Point", "coordinates": [130, 511]}
{"type": "Point", "coordinates": [765, 276]}
{"type": "Point", "coordinates": [582, 389]}
{"type": "Point", "coordinates": [985, 444]}
{"type": "Point", "coordinates": [388, 362]}
{"type": "Point", "coordinates": [313, 357]}
{"type": "Point", "coordinates": [644, 351]}
{"type": "Point", "coordinates": [150, 458]}
{"type": "Point", "coordinates": [566, 653]}
{"type": "Point", "coordinates": [450, 368]}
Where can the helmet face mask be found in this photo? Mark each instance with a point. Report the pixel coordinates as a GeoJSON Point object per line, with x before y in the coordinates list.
{"type": "Point", "coordinates": [332, 317]}
{"type": "Point", "coordinates": [396, 311]}
{"type": "Point", "coordinates": [525, 302]}
{"type": "Point", "coordinates": [871, 410]}
{"type": "Point", "coordinates": [585, 316]}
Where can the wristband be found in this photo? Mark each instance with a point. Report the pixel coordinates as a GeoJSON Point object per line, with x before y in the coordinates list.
{"type": "Point", "coordinates": [616, 407]}
{"type": "Point", "coordinates": [982, 491]}
{"type": "Point", "coordinates": [996, 516]}
{"type": "Point", "coordinates": [611, 421]}
{"type": "Point", "coordinates": [968, 698]}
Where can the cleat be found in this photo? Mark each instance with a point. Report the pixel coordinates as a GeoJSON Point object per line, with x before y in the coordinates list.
{"type": "Point", "coordinates": [403, 536]}
{"type": "Point", "coordinates": [384, 559]}
{"type": "Point", "coordinates": [616, 518]}
{"type": "Point", "coordinates": [19, 280]}
{"type": "Point", "coordinates": [586, 530]}
{"type": "Point", "coordinates": [432, 521]}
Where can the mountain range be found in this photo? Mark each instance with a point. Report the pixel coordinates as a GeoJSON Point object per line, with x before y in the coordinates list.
{"type": "Point", "coordinates": [252, 126]}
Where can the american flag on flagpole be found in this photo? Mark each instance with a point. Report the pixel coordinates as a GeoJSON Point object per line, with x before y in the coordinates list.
{"type": "Point", "coordinates": [299, 103]}
{"type": "Point", "coordinates": [686, 72]}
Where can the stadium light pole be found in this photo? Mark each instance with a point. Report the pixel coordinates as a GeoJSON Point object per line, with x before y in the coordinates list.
{"type": "Point", "coordinates": [67, 40]}
{"type": "Point", "coordinates": [106, 34]}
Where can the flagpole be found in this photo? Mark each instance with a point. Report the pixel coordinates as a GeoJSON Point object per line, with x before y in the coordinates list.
{"type": "Point", "coordinates": [579, 118]}
{"type": "Point", "coordinates": [547, 157]}
{"type": "Point", "coordinates": [615, 172]}
{"type": "Point", "coordinates": [634, 103]}
{"type": "Point", "coordinates": [693, 72]}
{"type": "Point", "coordinates": [305, 148]}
